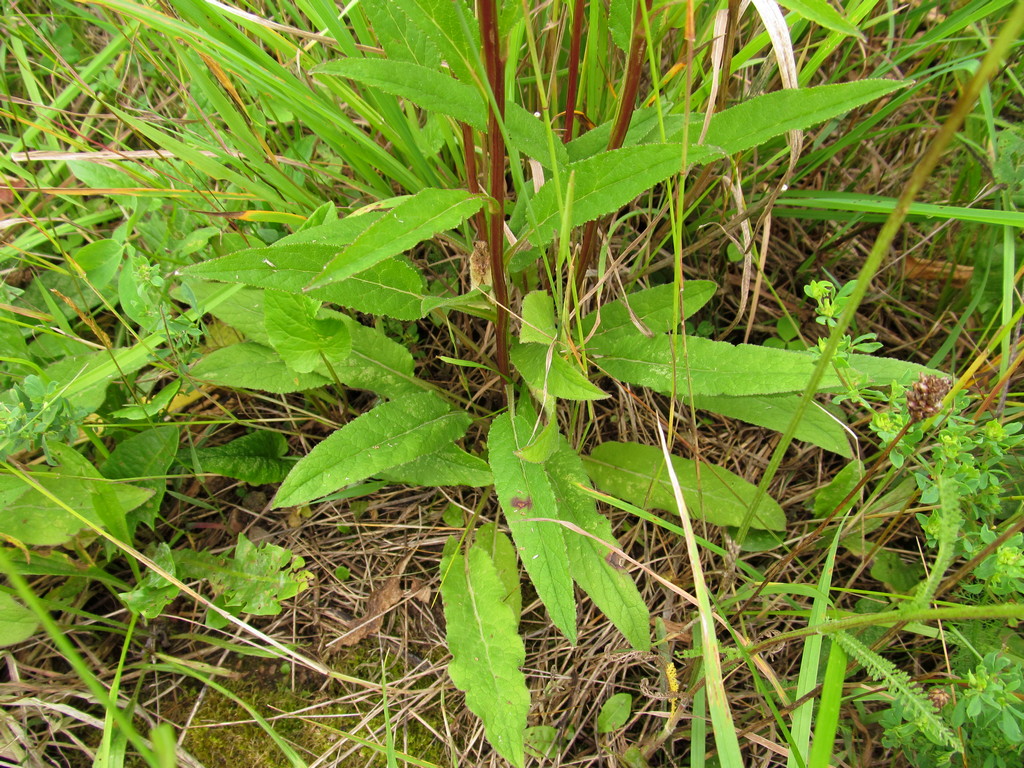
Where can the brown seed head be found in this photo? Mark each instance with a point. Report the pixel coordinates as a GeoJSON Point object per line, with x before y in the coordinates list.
{"type": "Point", "coordinates": [925, 398]}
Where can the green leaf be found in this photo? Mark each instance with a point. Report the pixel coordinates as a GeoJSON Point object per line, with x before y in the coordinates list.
{"type": "Point", "coordinates": [392, 287]}
{"type": "Point", "coordinates": [897, 575]}
{"type": "Point", "coordinates": [755, 121]}
{"type": "Point", "coordinates": [451, 27]}
{"type": "Point", "coordinates": [818, 426]}
{"type": "Point", "coordinates": [653, 308]}
{"type": "Point", "coordinates": [145, 459]}
{"type": "Point", "coordinates": [391, 434]}
{"type": "Point", "coordinates": [636, 473]}
{"type": "Point", "coordinates": [524, 492]}
{"type": "Point", "coordinates": [17, 623]}
{"type": "Point", "coordinates": [34, 519]}
{"type": "Point", "coordinates": [154, 592]}
{"type": "Point", "coordinates": [503, 553]}
{"type": "Point", "coordinates": [620, 22]}
{"type": "Point", "coordinates": [425, 87]}
{"type": "Point", "coordinates": [548, 372]}
{"type": "Point", "coordinates": [400, 39]}
{"type": "Point", "coordinates": [255, 458]}
{"type": "Point", "coordinates": [543, 443]}
{"type": "Point", "coordinates": [243, 310]}
{"type": "Point", "coordinates": [542, 741]}
{"type": "Point", "coordinates": [886, 370]}
{"type": "Point", "coordinates": [607, 181]}
{"type": "Point", "coordinates": [411, 221]}
{"type": "Point", "coordinates": [258, 578]}
{"type": "Point", "coordinates": [299, 336]}
{"type": "Point", "coordinates": [604, 183]}
{"type": "Point", "coordinates": [538, 318]}
{"type": "Point", "coordinates": [828, 498]}
{"type": "Point", "coordinates": [108, 505]}
{"type": "Point", "coordinates": [713, 367]}
{"type": "Point", "coordinates": [612, 590]}
{"type": "Point", "coordinates": [487, 652]}
{"type": "Point", "coordinates": [253, 366]}
{"type": "Point", "coordinates": [99, 260]}
{"type": "Point", "coordinates": [449, 466]}
{"type": "Point", "coordinates": [435, 91]}
{"type": "Point", "coordinates": [614, 713]}
{"type": "Point", "coordinates": [377, 363]}
{"type": "Point", "coordinates": [86, 377]}
{"type": "Point", "coordinates": [150, 408]}
{"type": "Point", "coordinates": [822, 14]}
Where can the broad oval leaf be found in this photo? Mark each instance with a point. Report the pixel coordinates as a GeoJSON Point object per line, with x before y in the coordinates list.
{"type": "Point", "coordinates": [17, 623]}
{"type": "Point", "coordinates": [391, 434]}
{"type": "Point", "coordinates": [301, 338]}
{"type": "Point", "coordinates": [614, 713]}
{"type": "Point", "coordinates": [637, 474]}
{"type": "Point", "coordinates": [253, 366]}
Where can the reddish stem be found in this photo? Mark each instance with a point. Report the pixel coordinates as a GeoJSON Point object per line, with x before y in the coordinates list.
{"type": "Point", "coordinates": [627, 98]}
{"type": "Point", "coordinates": [496, 176]}
{"type": "Point", "coordinates": [572, 86]}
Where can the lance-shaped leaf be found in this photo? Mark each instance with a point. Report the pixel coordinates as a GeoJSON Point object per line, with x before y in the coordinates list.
{"type": "Point", "coordinates": [817, 426]}
{"type": "Point", "coordinates": [391, 434]}
{"type": "Point", "coordinates": [607, 181]}
{"type": "Point", "coordinates": [449, 466]}
{"type": "Point", "coordinates": [487, 651]}
{"type": "Point", "coordinates": [524, 492]}
{"type": "Point", "coordinates": [651, 309]}
{"type": "Point", "coordinates": [636, 473]}
{"type": "Point", "coordinates": [709, 367]}
{"type": "Point", "coordinates": [392, 287]}
{"type": "Point", "coordinates": [612, 590]}
{"type": "Point", "coordinates": [435, 91]}
{"type": "Point", "coordinates": [411, 221]}
{"type": "Point", "coordinates": [301, 338]}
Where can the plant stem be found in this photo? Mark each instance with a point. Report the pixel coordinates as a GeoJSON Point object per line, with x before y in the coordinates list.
{"type": "Point", "coordinates": [573, 77]}
{"type": "Point", "coordinates": [496, 177]}
{"type": "Point", "coordinates": [627, 98]}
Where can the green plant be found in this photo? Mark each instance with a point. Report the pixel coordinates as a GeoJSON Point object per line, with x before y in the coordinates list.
{"type": "Point", "coordinates": [357, 218]}
{"type": "Point", "coordinates": [986, 711]}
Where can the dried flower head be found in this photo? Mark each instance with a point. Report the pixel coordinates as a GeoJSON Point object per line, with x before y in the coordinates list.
{"type": "Point", "coordinates": [925, 398]}
{"type": "Point", "coordinates": [939, 697]}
